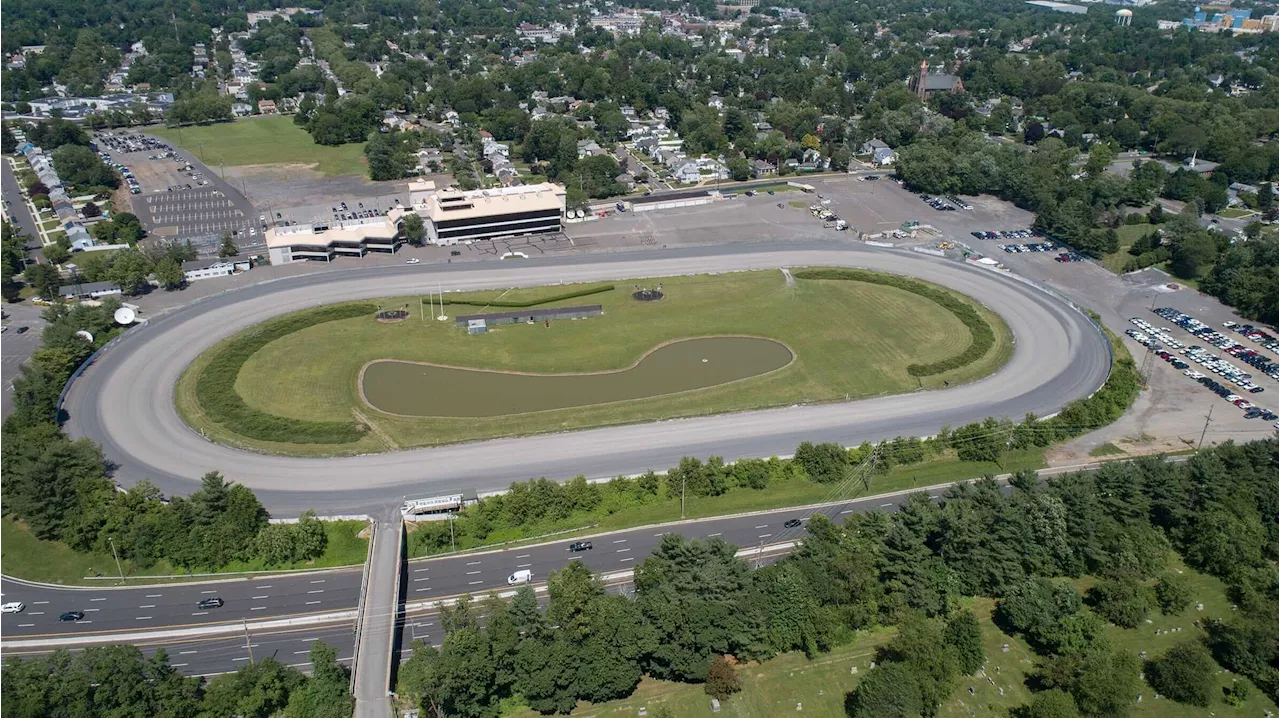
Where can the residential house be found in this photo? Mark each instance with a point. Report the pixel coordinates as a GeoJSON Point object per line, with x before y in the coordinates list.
{"type": "Point", "coordinates": [925, 83]}
{"type": "Point", "coordinates": [267, 107]}
{"type": "Point", "coordinates": [588, 148]}
{"type": "Point", "coordinates": [626, 179]}
{"type": "Point", "coordinates": [686, 171]}
{"type": "Point", "coordinates": [716, 102]}
{"type": "Point", "coordinates": [764, 168]}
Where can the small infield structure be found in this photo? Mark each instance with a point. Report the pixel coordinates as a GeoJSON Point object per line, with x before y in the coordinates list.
{"type": "Point", "coordinates": [398, 381]}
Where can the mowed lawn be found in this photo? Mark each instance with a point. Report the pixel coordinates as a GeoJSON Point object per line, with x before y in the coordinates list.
{"type": "Point", "coordinates": [265, 141]}
{"type": "Point", "coordinates": [851, 340]}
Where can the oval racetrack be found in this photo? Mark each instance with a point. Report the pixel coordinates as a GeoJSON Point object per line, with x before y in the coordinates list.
{"type": "Point", "coordinates": [125, 400]}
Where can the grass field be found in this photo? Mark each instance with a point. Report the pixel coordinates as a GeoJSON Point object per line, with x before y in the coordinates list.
{"type": "Point", "coordinates": [265, 141]}
{"type": "Point", "coordinates": [1233, 213]}
{"type": "Point", "coordinates": [851, 340]}
{"type": "Point", "coordinates": [25, 556]}
{"type": "Point", "coordinates": [1128, 234]}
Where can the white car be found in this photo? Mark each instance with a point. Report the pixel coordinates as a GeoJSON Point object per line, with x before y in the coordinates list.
{"type": "Point", "coordinates": [13, 607]}
{"type": "Point", "coordinates": [415, 260]}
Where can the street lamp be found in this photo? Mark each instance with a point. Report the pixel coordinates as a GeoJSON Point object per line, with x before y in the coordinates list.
{"type": "Point", "coordinates": [117, 557]}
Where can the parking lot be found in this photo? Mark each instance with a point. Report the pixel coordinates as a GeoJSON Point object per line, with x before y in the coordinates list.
{"type": "Point", "coordinates": [176, 196]}
{"type": "Point", "coordinates": [23, 327]}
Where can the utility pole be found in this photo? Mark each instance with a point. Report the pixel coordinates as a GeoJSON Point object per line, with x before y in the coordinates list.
{"type": "Point", "coordinates": [247, 644]}
{"type": "Point", "coordinates": [117, 557]}
{"type": "Point", "coordinates": [683, 479]}
{"type": "Point", "coordinates": [453, 546]}
{"type": "Point", "coordinates": [1204, 431]}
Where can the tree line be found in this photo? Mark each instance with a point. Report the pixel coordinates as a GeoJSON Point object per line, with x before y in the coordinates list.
{"type": "Point", "coordinates": [697, 607]}
{"type": "Point", "coordinates": [118, 680]}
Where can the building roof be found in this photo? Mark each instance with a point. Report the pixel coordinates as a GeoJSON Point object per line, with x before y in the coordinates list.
{"type": "Point", "coordinates": [939, 82]}
{"type": "Point", "coordinates": [72, 290]}
{"type": "Point", "coordinates": [454, 204]}
{"type": "Point", "coordinates": [298, 234]}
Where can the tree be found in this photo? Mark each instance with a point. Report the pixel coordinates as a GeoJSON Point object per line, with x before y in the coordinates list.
{"type": "Point", "coordinates": [1173, 593]}
{"type": "Point", "coordinates": [1050, 704]}
{"type": "Point", "coordinates": [169, 274]}
{"type": "Point", "coordinates": [722, 680]}
{"type": "Point", "coordinates": [79, 166]}
{"type": "Point", "coordinates": [325, 694]}
{"type": "Point", "coordinates": [964, 634]}
{"type": "Point", "coordinates": [887, 691]}
{"type": "Point", "coordinates": [90, 210]}
{"type": "Point", "coordinates": [739, 169]}
{"type": "Point", "coordinates": [56, 253]}
{"type": "Point", "coordinates": [228, 246]}
{"type": "Point", "coordinates": [824, 463]}
{"type": "Point", "coordinates": [129, 269]}
{"type": "Point", "coordinates": [256, 690]}
{"type": "Point", "coordinates": [1193, 255]}
{"type": "Point", "coordinates": [1184, 673]}
{"type": "Point", "coordinates": [1122, 602]}
{"type": "Point", "coordinates": [414, 232]}
{"type": "Point", "coordinates": [45, 280]}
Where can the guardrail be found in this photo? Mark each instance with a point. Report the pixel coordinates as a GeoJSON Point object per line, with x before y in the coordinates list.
{"type": "Point", "coordinates": [364, 584]}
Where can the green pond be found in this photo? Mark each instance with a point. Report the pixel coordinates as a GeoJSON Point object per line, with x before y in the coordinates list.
{"type": "Point", "coordinates": [413, 389]}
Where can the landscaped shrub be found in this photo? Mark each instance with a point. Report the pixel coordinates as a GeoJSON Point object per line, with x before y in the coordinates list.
{"type": "Point", "coordinates": [983, 337]}
{"type": "Point", "coordinates": [584, 292]}
{"type": "Point", "coordinates": [216, 385]}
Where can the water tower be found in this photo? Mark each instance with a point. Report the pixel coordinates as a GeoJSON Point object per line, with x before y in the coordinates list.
{"type": "Point", "coordinates": [1124, 16]}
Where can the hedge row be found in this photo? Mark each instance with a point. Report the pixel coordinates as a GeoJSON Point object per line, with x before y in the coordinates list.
{"type": "Point", "coordinates": [584, 292]}
{"type": "Point", "coordinates": [216, 385]}
{"type": "Point", "coordinates": [983, 336]}
{"type": "Point", "coordinates": [1147, 259]}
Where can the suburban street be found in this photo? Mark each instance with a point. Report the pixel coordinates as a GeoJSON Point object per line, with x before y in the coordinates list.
{"type": "Point", "coordinates": [16, 206]}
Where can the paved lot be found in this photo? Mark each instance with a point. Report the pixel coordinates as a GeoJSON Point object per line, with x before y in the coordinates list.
{"type": "Point", "coordinates": [169, 210]}
{"type": "Point", "coordinates": [16, 348]}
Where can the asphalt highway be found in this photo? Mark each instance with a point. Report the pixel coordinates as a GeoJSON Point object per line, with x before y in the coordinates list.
{"type": "Point", "coordinates": [125, 401]}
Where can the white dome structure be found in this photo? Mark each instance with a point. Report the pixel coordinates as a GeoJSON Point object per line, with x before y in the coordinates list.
{"type": "Point", "coordinates": [1124, 16]}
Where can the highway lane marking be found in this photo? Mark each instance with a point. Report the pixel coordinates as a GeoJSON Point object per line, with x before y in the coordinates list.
{"type": "Point", "coordinates": [142, 618]}
{"type": "Point", "coordinates": [241, 659]}
{"type": "Point", "coordinates": [200, 613]}
{"type": "Point", "coordinates": [36, 613]}
{"type": "Point", "coordinates": [620, 541]}
{"type": "Point", "coordinates": [320, 581]}
{"type": "Point", "coordinates": [318, 590]}
{"type": "Point", "coordinates": [524, 565]}
{"type": "Point", "coordinates": [25, 625]}
{"type": "Point", "coordinates": [208, 592]}
{"type": "Point", "coordinates": [177, 665]}
{"type": "Point", "coordinates": [148, 606]}
{"type": "Point", "coordinates": [267, 586]}
{"type": "Point", "coordinates": [629, 558]}
{"type": "Point", "coordinates": [97, 599]}
{"type": "Point", "coordinates": [258, 608]}
{"type": "Point", "coordinates": [472, 573]}
{"type": "Point", "coordinates": [87, 610]}
{"type": "Point", "coordinates": [420, 570]}
{"type": "Point", "coordinates": [659, 535]}
{"type": "Point", "coordinates": [259, 598]}
{"type": "Point", "coordinates": [473, 583]}
{"type": "Point", "coordinates": [884, 505]}
{"type": "Point", "coordinates": [714, 534]}
{"type": "Point", "coordinates": [420, 590]}
{"type": "Point", "coordinates": [84, 622]}
{"type": "Point", "coordinates": [39, 603]}
{"type": "Point", "coordinates": [421, 579]}
{"type": "Point", "coordinates": [523, 555]}
{"type": "Point", "coordinates": [312, 603]}
{"type": "Point", "coordinates": [763, 527]}
{"type": "Point", "coordinates": [764, 535]}
{"type": "Point", "coordinates": [847, 511]}
{"type": "Point", "coordinates": [153, 595]}
{"type": "Point", "coordinates": [300, 652]}
{"type": "Point", "coordinates": [622, 550]}
{"type": "Point", "coordinates": [473, 563]}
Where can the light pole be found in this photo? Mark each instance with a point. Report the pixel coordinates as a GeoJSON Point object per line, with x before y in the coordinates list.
{"type": "Point", "coordinates": [682, 485]}
{"type": "Point", "coordinates": [453, 546]}
{"type": "Point", "coordinates": [117, 557]}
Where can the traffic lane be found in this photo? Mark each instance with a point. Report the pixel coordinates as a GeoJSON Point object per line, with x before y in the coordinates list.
{"type": "Point", "coordinates": [17, 206]}
{"type": "Point", "coordinates": [16, 348]}
{"type": "Point", "coordinates": [429, 579]}
{"type": "Point", "coordinates": [1058, 357]}
{"type": "Point", "coordinates": [215, 656]}
{"type": "Point", "coordinates": [109, 609]}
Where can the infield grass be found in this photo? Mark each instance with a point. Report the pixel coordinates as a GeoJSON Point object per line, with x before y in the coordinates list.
{"type": "Point", "coordinates": [851, 340]}
{"type": "Point", "coordinates": [265, 141]}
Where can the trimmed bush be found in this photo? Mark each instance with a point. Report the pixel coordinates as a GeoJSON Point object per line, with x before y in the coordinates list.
{"type": "Point", "coordinates": [216, 385]}
{"type": "Point", "coordinates": [584, 292]}
{"type": "Point", "coordinates": [983, 336]}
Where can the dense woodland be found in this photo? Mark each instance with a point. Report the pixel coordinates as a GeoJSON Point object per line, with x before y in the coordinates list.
{"type": "Point", "coordinates": [695, 602]}
{"type": "Point", "coordinates": [120, 681]}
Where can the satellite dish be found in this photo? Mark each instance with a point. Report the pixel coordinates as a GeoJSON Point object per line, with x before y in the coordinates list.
{"type": "Point", "coordinates": [125, 315]}
{"type": "Point", "coordinates": [85, 336]}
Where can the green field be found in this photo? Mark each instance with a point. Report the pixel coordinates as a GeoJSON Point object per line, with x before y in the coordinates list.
{"type": "Point", "coordinates": [1234, 213]}
{"type": "Point", "coordinates": [1128, 234]}
{"type": "Point", "coordinates": [851, 340]}
{"type": "Point", "coordinates": [25, 556]}
{"type": "Point", "coordinates": [265, 141]}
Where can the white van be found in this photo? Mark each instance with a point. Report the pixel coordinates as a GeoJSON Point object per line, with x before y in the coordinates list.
{"type": "Point", "coordinates": [524, 575]}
